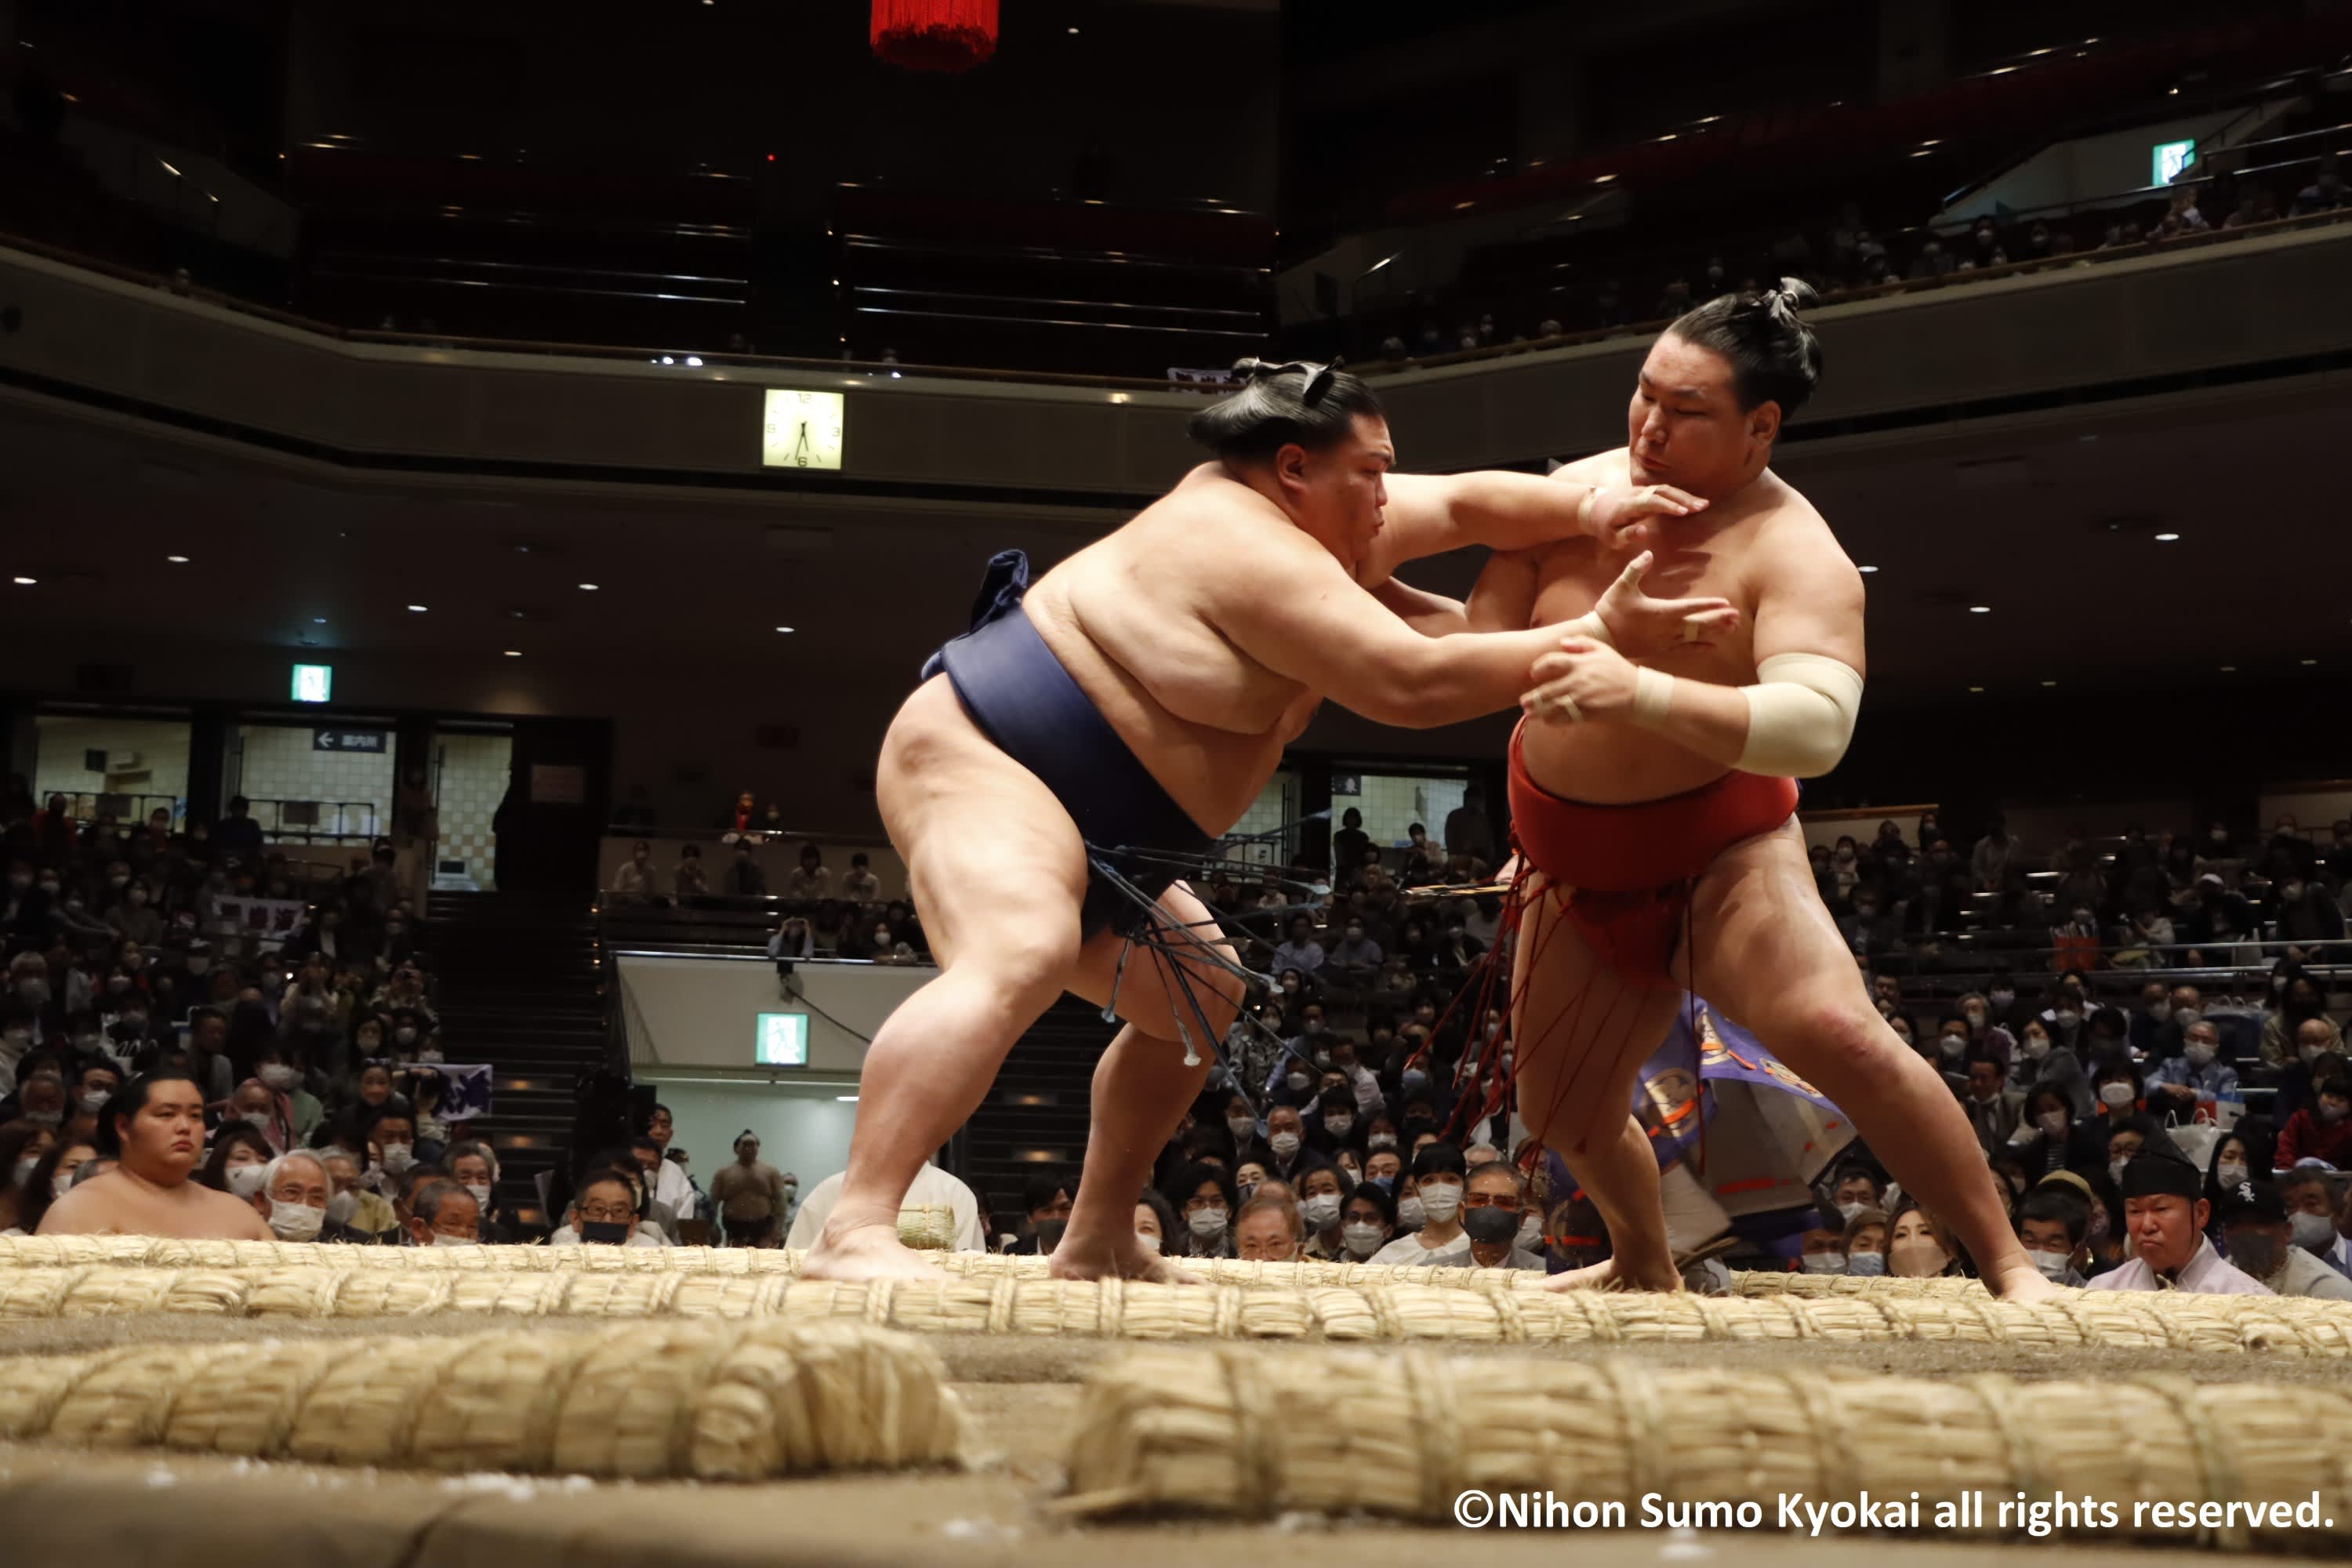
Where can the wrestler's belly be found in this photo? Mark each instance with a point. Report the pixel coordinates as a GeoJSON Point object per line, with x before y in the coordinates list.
{"type": "Point", "coordinates": [1609, 765]}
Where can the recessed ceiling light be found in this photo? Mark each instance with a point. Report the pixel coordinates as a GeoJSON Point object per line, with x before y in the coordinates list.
{"type": "Point", "coordinates": [2308, 661]}
{"type": "Point", "coordinates": [177, 559]}
{"type": "Point", "coordinates": [317, 620]}
{"type": "Point", "coordinates": [26, 582]}
{"type": "Point", "coordinates": [1980, 609]}
{"type": "Point", "coordinates": [1866, 568]}
{"type": "Point", "coordinates": [2166, 538]}
{"type": "Point", "coordinates": [514, 653]}
{"type": "Point", "coordinates": [783, 628]}
{"type": "Point", "coordinates": [2048, 683]}
{"type": "Point", "coordinates": [1975, 689]}
{"type": "Point", "coordinates": [587, 587]}
{"type": "Point", "coordinates": [416, 609]}
{"type": "Point", "coordinates": [2228, 670]}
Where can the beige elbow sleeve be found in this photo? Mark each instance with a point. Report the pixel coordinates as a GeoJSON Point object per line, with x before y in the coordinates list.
{"type": "Point", "coordinates": [1800, 715]}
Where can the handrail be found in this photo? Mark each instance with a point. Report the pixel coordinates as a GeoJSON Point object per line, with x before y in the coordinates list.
{"type": "Point", "coordinates": [1892, 288]}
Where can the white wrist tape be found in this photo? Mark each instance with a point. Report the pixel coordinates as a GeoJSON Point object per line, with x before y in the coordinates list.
{"type": "Point", "coordinates": [1591, 625]}
{"type": "Point", "coordinates": [1654, 693]}
{"type": "Point", "coordinates": [1800, 715]}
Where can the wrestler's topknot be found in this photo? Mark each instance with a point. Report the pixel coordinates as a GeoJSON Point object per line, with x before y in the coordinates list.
{"type": "Point", "coordinates": [1774, 356]}
{"type": "Point", "coordinates": [1282, 402]}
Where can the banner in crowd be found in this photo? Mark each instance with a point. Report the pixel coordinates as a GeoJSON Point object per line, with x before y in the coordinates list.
{"type": "Point", "coordinates": [465, 1091]}
{"type": "Point", "coordinates": [267, 921]}
{"type": "Point", "coordinates": [1768, 1134]}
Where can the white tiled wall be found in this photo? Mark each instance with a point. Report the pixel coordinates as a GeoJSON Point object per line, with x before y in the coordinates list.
{"type": "Point", "coordinates": [277, 763]}
{"type": "Point", "coordinates": [1275, 806]}
{"type": "Point", "coordinates": [161, 745]}
{"type": "Point", "coordinates": [1392, 803]}
{"type": "Point", "coordinates": [473, 780]}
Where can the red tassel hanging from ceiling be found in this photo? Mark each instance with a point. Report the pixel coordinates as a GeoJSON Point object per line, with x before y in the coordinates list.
{"type": "Point", "coordinates": [935, 34]}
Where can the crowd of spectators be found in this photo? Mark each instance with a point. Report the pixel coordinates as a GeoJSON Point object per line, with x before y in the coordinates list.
{"type": "Point", "coordinates": [815, 915]}
{"type": "Point", "coordinates": [1847, 254]}
{"type": "Point", "coordinates": [308, 1049]}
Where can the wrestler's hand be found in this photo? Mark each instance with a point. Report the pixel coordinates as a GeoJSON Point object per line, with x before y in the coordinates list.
{"type": "Point", "coordinates": [1643, 627]}
{"type": "Point", "coordinates": [1619, 515]}
{"type": "Point", "coordinates": [1586, 680]}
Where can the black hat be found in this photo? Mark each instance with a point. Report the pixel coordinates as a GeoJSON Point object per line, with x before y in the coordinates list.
{"type": "Point", "coordinates": [2257, 1202]}
{"type": "Point", "coordinates": [2161, 1169]}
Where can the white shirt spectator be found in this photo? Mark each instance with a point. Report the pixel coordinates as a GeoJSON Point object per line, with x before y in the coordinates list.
{"type": "Point", "coordinates": [674, 1192]}
{"type": "Point", "coordinates": [931, 1185]}
{"type": "Point", "coordinates": [2205, 1274]}
{"type": "Point", "coordinates": [2304, 1275]}
{"type": "Point", "coordinates": [646, 1234]}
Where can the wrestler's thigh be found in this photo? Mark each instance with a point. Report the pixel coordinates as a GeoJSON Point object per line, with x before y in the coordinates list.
{"type": "Point", "coordinates": [1168, 979]}
{"type": "Point", "coordinates": [994, 862]}
{"type": "Point", "coordinates": [1579, 1032]}
{"type": "Point", "coordinates": [1762, 946]}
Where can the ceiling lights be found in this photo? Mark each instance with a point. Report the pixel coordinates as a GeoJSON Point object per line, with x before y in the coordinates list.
{"type": "Point", "coordinates": [1980, 609]}
{"type": "Point", "coordinates": [177, 559]}
{"type": "Point", "coordinates": [1865, 570]}
{"type": "Point", "coordinates": [26, 582]}
{"type": "Point", "coordinates": [2166, 538]}
{"type": "Point", "coordinates": [784, 629]}
{"type": "Point", "coordinates": [514, 653]}
{"type": "Point", "coordinates": [587, 587]}
{"type": "Point", "coordinates": [416, 609]}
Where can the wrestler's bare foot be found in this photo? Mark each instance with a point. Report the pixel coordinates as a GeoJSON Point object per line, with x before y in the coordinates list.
{"type": "Point", "coordinates": [2024, 1285]}
{"type": "Point", "coordinates": [1619, 1274]}
{"type": "Point", "coordinates": [858, 1253]}
{"type": "Point", "coordinates": [1114, 1257]}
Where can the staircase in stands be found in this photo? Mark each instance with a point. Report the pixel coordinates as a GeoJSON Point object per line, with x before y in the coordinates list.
{"type": "Point", "coordinates": [520, 990]}
{"type": "Point", "coordinates": [1036, 1115]}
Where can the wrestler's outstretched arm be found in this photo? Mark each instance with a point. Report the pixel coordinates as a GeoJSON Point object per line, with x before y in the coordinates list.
{"type": "Point", "coordinates": [1331, 635]}
{"type": "Point", "coordinates": [1430, 514]}
{"type": "Point", "coordinates": [1797, 718]}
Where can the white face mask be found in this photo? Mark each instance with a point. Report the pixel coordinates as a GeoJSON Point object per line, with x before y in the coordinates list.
{"type": "Point", "coordinates": [1409, 1214]}
{"type": "Point", "coordinates": [1380, 1141]}
{"type": "Point", "coordinates": [1362, 1237]}
{"type": "Point", "coordinates": [1846, 1211]}
{"type": "Point", "coordinates": [246, 1180]}
{"type": "Point", "coordinates": [295, 1222]}
{"type": "Point", "coordinates": [2036, 1048]}
{"type": "Point", "coordinates": [24, 1169]}
{"type": "Point", "coordinates": [341, 1206]}
{"type": "Point", "coordinates": [2314, 1232]}
{"type": "Point", "coordinates": [1320, 1211]}
{"type": "Point", "coordinates": [1530, 1234]}
{"type": "Point", "coordinates": [1243, 1128]}
{"type": "Point", "coordinates": [398, 1157]}
{"type": "Point", "coordinates": [1284, 1145]}
{"type": "Point", "coordinates": [61, 1184]}
{"type": "Point", "coordinates": [2199, 1055]}
{"type": "Point", "coordinates": [441, 1240]}
{"type": "Point", "coordinates": [2229, 1172]}
{"type": "Point", "coordinates": [2052, 1122]}
{"type": "Point", "coordinates": [1918, 1257]}
{"type": "Point", "coordinates": [481, 1197]}
{"type": "Point", "coordinates": [2115, 1170]}
{"type": "Point", "coordinates": [1207, 1223]}
{"type": "Point", "coordinates": [1440, 1201]}
{"type": "Point", "coordinates": [2115, 1094]}
{"type": "Point", "coordinates": [1822, 1263]}
{"type": "Point", "coordinates": [94, 1102]}
{"type": "Point", "coordinates": [2052, 1264]}
{"type": "Point", "coordinates": [1338, 1126]}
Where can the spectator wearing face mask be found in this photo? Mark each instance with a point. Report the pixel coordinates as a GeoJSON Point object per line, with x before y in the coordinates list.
{"type": "Point", "coordinates": [1322, 1196]}
{"type": "Point", "coordinates": [603, 1213]}
{"type": "Point", "coordinates": [23, 1145]}
{"type": "Point", "coordinates": [1045, 1203]}
{"type": "Point", "coordinates": [2052, 1223]}
{"type": "Point", "coordinates": [1499, 1219]}
{"type": "Point", "coordinates": [2258, 1237]}
{"type": "Point", "coordinates": [293, 1194]}
{"type": "Point", "coordinates": [2050, 1136]}
{"type": "Point", "coordinates": [2118, 1086]}
{"type": "Point", "coordinates": [1917, 1247]}
{"type": "Point", "coordinates": [1439, 1175]}
{"type": "Point", "coordinates": [474, 1168]}
{"type": "Point", "coordinates": [355, 1213]}
{"type": "Point", "coordinates": [2320, 1130]}
{"type": "Point", "coordinates": [1994, 1113]}
{"type": "Point", "coordinates": [2179, 1084]}
{"type": "Point", "coordinates": [134, 918]}
{"type": "Point", "coordinates": [1300, 950]}
{"type": "Point", "coordinates": [1205, 1200]}
{"type": "Point", "coordinates": [50, 1178]}
{"type": "Point", "coordinates": [1367, 1222]}
{"type": "Point", "coordinates": [40, 1097]}
{"type": "Point", "coordinates": [442, 1214]}
{"type": "Point", "coordinates": [1822, 1250]}
{"type": "Point", "coordinates": [2167, 1217]}
{"type": "Point", "coordinates": [1852, 1190]}
{"type": "Point", "coordinates": [2308, 918]}
{"type": "Point", "coordinates": [1155, 1222]}
{"type": "Point", "coordinates": [2315, 1216]}
{"type": "Point", "coordinates": [1865, 1242]}
{"type": "Point", "coordinates": [2299, 1002]}
{"type": "Point", "coordinates": [1285, 1141]}
{"type": "Point", "coordinates": [235, 1159]}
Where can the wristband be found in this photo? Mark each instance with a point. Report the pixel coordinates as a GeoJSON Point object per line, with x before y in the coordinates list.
{"type": "Point", "coordinates": [1654, 693]}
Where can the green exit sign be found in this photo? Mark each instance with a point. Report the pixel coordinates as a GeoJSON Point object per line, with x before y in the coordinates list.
{"type": "Point", "coordinates": [782, 1040]}
{"type": "Point", "coordinates": [313, 682]}
{"type": "Point", "coordinates": [2171, 161]}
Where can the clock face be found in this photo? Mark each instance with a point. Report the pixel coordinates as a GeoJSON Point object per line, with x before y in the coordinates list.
{"type": "Point", "coordinates": [802, 430]}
